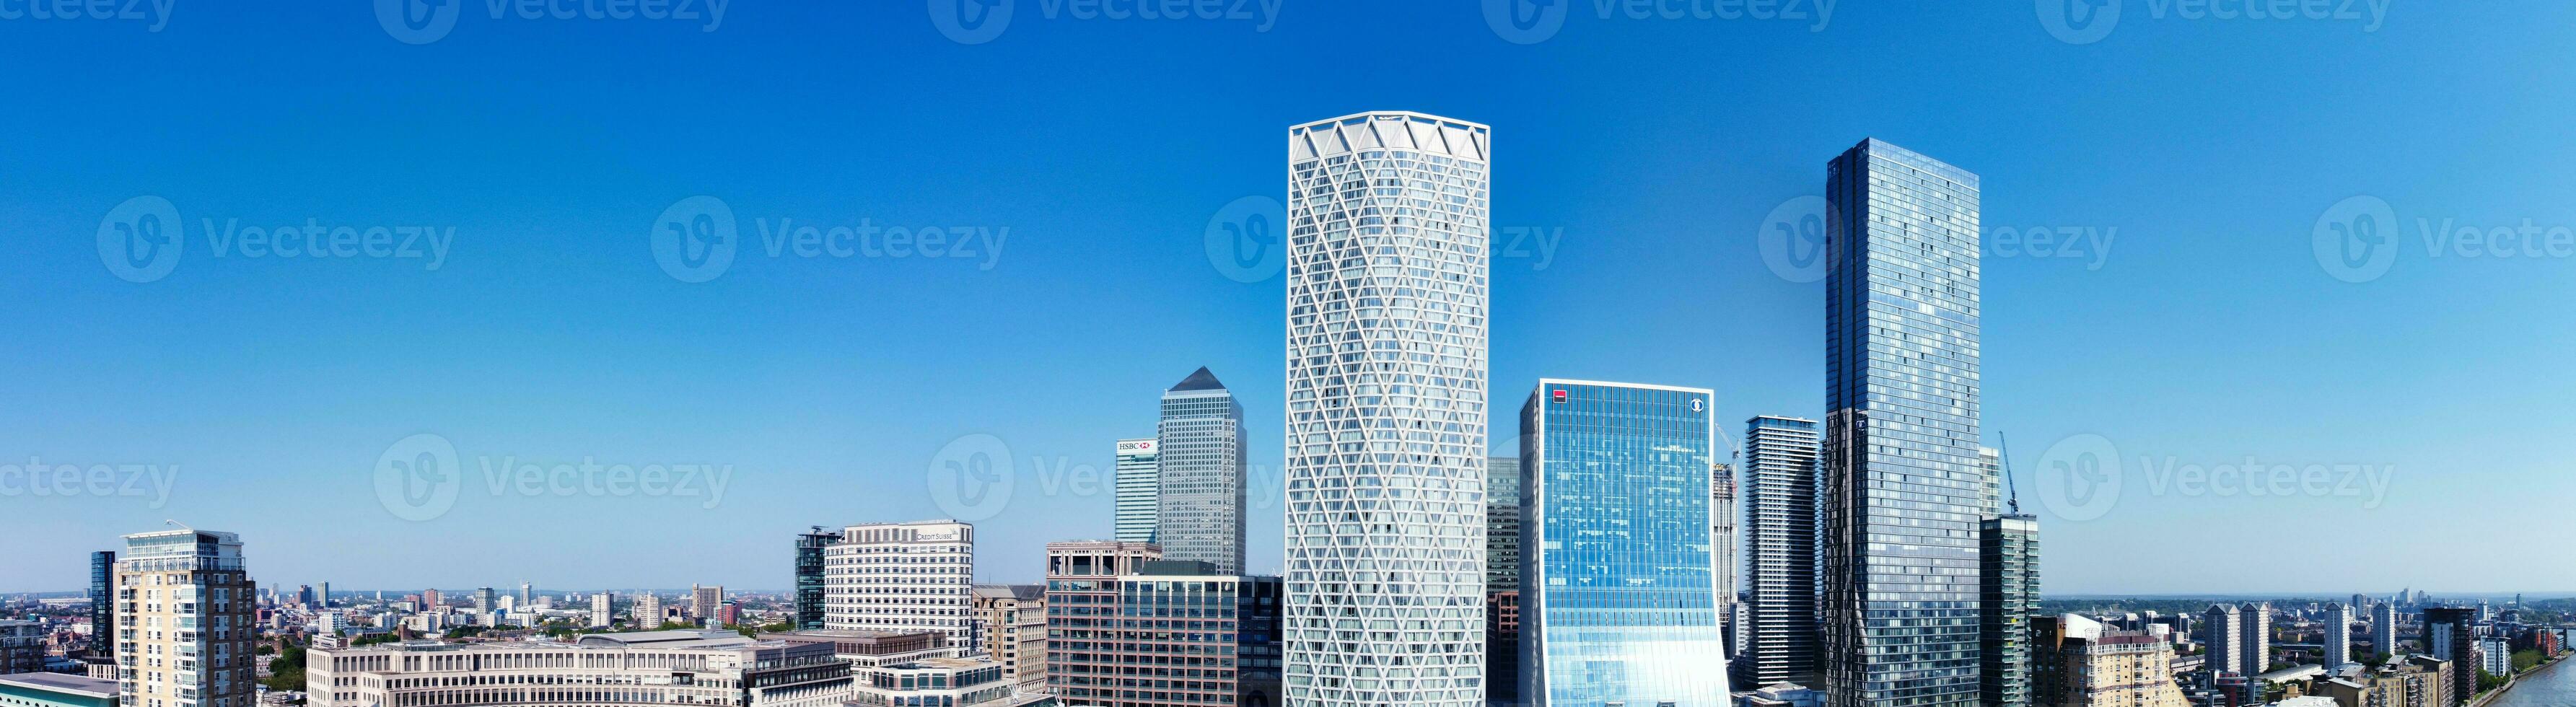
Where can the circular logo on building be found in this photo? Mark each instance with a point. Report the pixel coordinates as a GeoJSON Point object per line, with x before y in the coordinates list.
{"type": "Point", "coordinates": [140, 239]}
{"type": "Point", "coordinates": [2080, 477]}
{"type": "Point", "coordinates": [417, 478]}
{"type": "Point", "coordinates": [2356, 239]}
{"type": "Point", "coordinates": [971, 478]}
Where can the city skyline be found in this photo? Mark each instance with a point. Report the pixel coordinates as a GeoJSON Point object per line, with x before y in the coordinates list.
{"type": "Point", "coordinates": [828, 390]}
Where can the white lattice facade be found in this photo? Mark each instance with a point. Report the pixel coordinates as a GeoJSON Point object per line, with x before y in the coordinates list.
{"type": "Point", "coordinates": [1386, 411]}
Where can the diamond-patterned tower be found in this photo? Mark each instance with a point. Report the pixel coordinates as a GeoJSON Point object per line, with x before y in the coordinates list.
{"type": "Point", "coordinates": [1386, 411]}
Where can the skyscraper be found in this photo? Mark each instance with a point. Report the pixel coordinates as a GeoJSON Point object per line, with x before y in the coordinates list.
{"type": "Point", "coordinates": [527, 595]}
{"type": "Point", "coordinates": [705, 600]}
{"type": "Point", "coordinates": [1140, 486]}
{"type": "Point", "coordinates": [1780, 551]}
{"type": "Point", "coordinates": [2450, 633]}
{"type": "Point", "coordinates": [1387, 259]}
{"type": "Point", "coordinates": [2383, 629]}
{"type": "Point", "coordinates": [1502, 578]}
{"type": "Point", "coordinates": [322, 597]}
{"type": "Point", "coordinates": [1199, 444]}
{"type": "Point", "coordinates": [2254, 656]}
{"type": "Point", "coordinates": [194, 580]}
{"type": "Point", "coordinates": [1904, 490]}
{"type": "Point", "coordinates": [809, 577]}
{"type": "Point", "coordinates": [646, 613]}
{"type": "Point", "coordinates": [102, 603]}
{"type": "Point", "coordinates": [917, 576]}
{"type": "Point", "coordinates": [2224, 636]}
{"type": "Point", "coordinates": [2009, 592]}
{"type": "Point", "coordinates": [431, 602]}
{"type": "Point", "coordinates": [1618, 593]}
{"type": "Point", "coordinates": [2338, 634]}
{"type": "Point", "coordinates": [603, 609]}
{"type": "Point", "coordinates": [485, 600]}
{"type": "Point", "coordinates": [1721, 552]}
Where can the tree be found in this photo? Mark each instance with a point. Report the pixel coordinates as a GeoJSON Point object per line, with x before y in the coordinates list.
{"type": "Point", "coordinates": [286, 671]}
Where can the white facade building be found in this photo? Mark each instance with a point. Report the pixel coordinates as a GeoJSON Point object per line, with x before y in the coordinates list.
{"type": "Point", "coordinates": [2338, 635]}
{"type": "Point", "coordinates": [184, 620]}
{"type": "Point", "coordinates": [648, 668]}
{"type": "Point", "coordinates": [1387, 291]}
{"type": "Point", "coordinates": [917, 576]}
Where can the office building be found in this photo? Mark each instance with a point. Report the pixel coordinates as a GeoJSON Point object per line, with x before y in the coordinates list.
{"type": "Point", "coordinates": [485, 600]}
{"type": "Point", "coordinates": [809, 578]}
{"type": "Point", "coordinates": [2078, 662]}
{"type": "Point", "coordinates": [527, 595]}
{"type": "Point", "coordinates": [56, 690]}
{"type": "Point", "coordinates": [1904, 488]}
{"type": "Point", "coordinates": [2450, 634]}
{"type": "Point", "coordinates": [916, 669]}
{"type": "Point", "coordinates": [1199, 448]}
{"type": "Point", "coordinates": [636, 668]}
{"type": "Point", "coordinates": [322, 596]}
{"type": "Point", "coordinates": [705, 602]}
{"type": "Point", "coordinates": [603, 609]}
{"type": "Point", "coordinates": [1387, 259]}
{"type": "Point", "coordinates": [102, 603]}
{"type": "Point", "coordinates": [1779, 499]}
{"type": "Point", "coordinates": [1502, 578]}
{"type": "Point", "coordinates": [185, 602]}
{"type": "Point", "coordinates": [1618, 593]}
{"type": "Point", "coordinates": [2009, 594]}
{"type": "Point", "coordinates": [1140, 486]}
{"type": "Point", "coordinates": [2383, 630]}
{"type": "Point", "coordinates": [2337, 635]}
{"type": "Point", "coordinates": [1082, 596]}
{"type": "Point", "coordinates": [899, 577]}
{"type": "Point", "coordinates": [1182, 637]}
{"type": "Point", "coordinates": [1014, 631]}
{"type": "Point", "coordinates": [22, 646]}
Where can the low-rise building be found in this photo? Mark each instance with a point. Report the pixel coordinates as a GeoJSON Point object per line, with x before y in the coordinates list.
{"type": "Point", "coordinates": [56, 690]}
{"type": "Point", "coordinates": [2079, 662]}
{"type": "Point", "coordinates": [915, 669]}
{"type": "Point", "coordinates": [707, 668]}
{"type": "Point", "coordinates": [1013, 618]}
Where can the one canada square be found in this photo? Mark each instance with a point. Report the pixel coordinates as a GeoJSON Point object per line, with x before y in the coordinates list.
{"type": "Point", "coordinates": [1387, 259]}
{"type": "Point", "coordinates": [1904, 490]}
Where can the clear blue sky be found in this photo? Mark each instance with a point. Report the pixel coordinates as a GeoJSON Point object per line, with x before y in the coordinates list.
{"type": "Point", "coordinates": [549, 333]}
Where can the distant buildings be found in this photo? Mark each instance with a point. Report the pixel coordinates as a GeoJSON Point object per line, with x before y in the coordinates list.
{"type": "Point", "coordinates": [1904, 489]}
{"type": "Point", "coordinates": [2337, 634]}
{"type": "Point", "coordinates": [912, 576]}
{"type": "Point", "coordinates": [1013, 617]}
{"type": "Point", "coordinates": [102, 603]}
{"type": "Point", "coordinates": [1779, 497]}
{"type": "Point", "coordinates": [647, 667]}
{"type": "Point", "coordinates": [1139, 484]}
{"type": "Point", "coordinates": [22, 646]}
{"type": "Point", "coordinates": [603, 609]}
{"type": "Point", "coordinates": [2009, 588]}
{"type": "Point", "coordinates": [2255, 643]}
{"type": "Point", "coordinates": [915, 669]}
{"type": "Point", "coordinates": [2383, 629]}
{"type": "Point", "coordinates": [2078, 662]}
{"type": "Point", "coordinates": [1721, 552]}
{"type": "Point", "coordinates": [193, 579]}
{"type": "Point", "coordinates": [1387, 242]}
{"type": "Point", "coordinates": [706, 603]}
{"type": "Point", "coordinates": [1199, 447]}
{"type": "Point", "coordinates": [1617, 587]}
{"type": "Point", "coordinates": [646, 613]}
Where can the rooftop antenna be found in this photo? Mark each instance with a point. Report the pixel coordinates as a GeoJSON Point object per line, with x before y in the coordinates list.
{"type": "Point", "coordinates": [2014, 505]}
{"type": "Point", "coordinates": [177, 523]}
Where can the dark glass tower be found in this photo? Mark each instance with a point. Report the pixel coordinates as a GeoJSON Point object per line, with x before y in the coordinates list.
{"type": "Point", "coordinates": [809, 577]}
{"type": "Point", "coordinates": [1904, 489]}
{"type": "Point", "coordinates": [102, 603]}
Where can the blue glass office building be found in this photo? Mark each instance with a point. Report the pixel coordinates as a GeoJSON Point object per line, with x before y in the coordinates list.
{"type": "Point", "coordinates": [1618, 596]}
{"type": "Point", "coordinates": [1904, 489]}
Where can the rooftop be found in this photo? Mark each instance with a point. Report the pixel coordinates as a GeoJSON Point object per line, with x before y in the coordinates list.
{"type": "Point", "coordinates": [63, 682]}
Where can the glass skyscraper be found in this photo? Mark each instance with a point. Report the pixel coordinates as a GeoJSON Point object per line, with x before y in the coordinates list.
{"type": "Point", "coordinates": [1619, 598]}
{"type": "Point", "coordinates": [1139, 486]}
{"type": "Point", "coordinates": [1904, 490]}
{"type": "Point", "coordinates": [1502, 578]}
{"type": "Point", "coordinates": [1779, 497]}
{"type": "Point", "coordinates": [1387, 261]}
{"type": "Point", "coordinates": [102, 603]}
{"type": "Point", "coordinates": [1199, 443]}
{"type": "Point", "coordinates": [2010, 592]}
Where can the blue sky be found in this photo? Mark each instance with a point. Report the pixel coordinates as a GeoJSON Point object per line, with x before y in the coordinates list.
{"type": "Point", "coordinates": [1650, 151]}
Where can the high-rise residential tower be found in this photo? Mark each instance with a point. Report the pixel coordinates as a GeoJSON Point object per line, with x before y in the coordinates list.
{"type": "Point", "coordinates": [1387, 259]}
{"type": "Point", "coordinates": [2223, 633]}
{"type": "Point", "coordinates": [810, 549]}
{"type": "Point", "coordinates": [704, 602]}
{"type": "Point", "coordinates": [1502, 578]}
{"type": "Point", "coordinates": [2337, 634]}
{"type": "Point", "coordinates": [1904, 489]}
{"type": "Point", "coordinates": [603, 609]}
{"type": "Point", "coordinates": [2450, 633]}
{"type": "Point", "coordinates": [1721, 554]}
{"type": "Point", "coordinates": [185, 598]}
{"type": "Point", "coordinates": [102, 603]}
{"type": "Point", "coordinates": [527, 595]}
{"type": "Point", "coordinates": [2254, 647]}
{"type": "Point", "coordinates": [1199, 444]}
{"type": "Point", "coordinates": [2383, 629]}
{"type": "Point", "coordinates": [2009, 591]}
{"type": "Point", "coordinates": [1619, 591]}
{"type": "Point", "coordinates": [646, 613]}
{"type": "Point", "coordinates": [1779, 498]}
{"type": "Point", "coordinates": [485, 600]}
{"type": "Point", "coordinates": [916, 576]}
{"type": "Point", "coordinates": [1139, 487]}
